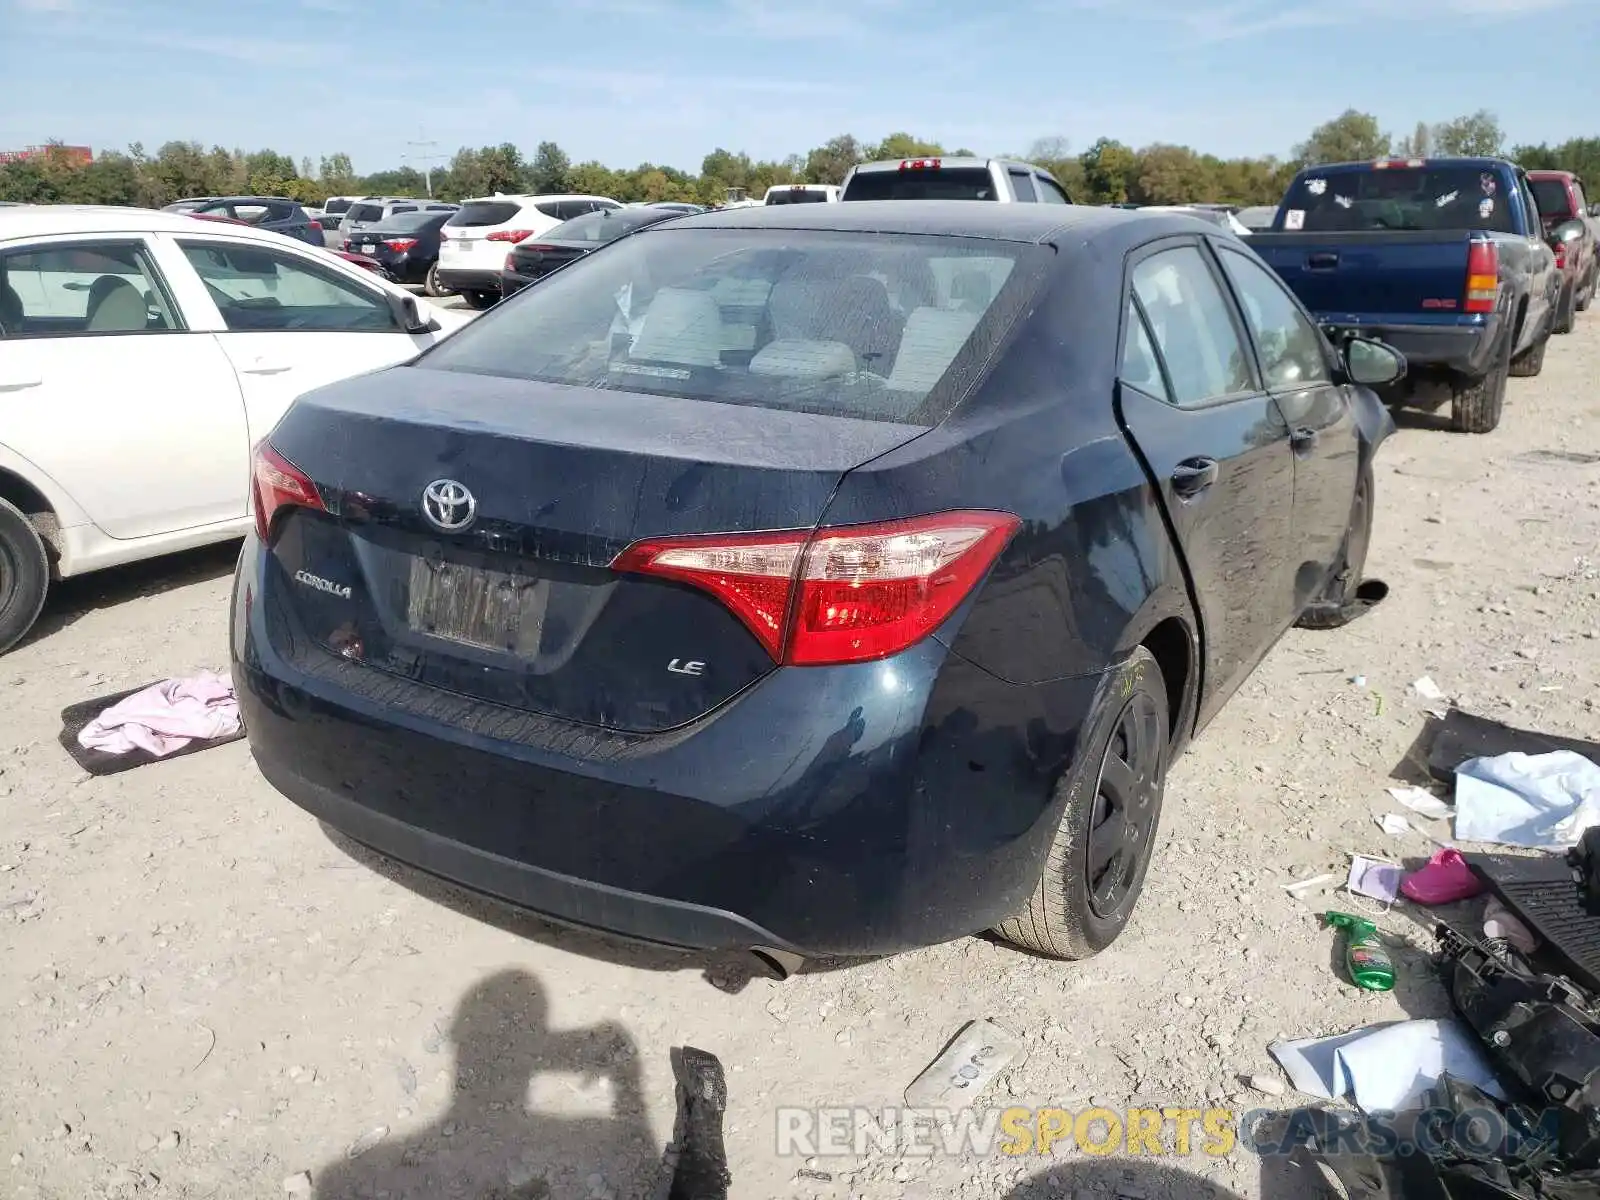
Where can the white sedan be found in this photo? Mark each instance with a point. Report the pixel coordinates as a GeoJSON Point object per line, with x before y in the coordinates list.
{"type": "Point", "coordinates": [142, 355]}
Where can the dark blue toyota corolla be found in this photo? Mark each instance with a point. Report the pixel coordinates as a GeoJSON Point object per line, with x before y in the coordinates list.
{"type": "Point", "coordinates": [824, 579]}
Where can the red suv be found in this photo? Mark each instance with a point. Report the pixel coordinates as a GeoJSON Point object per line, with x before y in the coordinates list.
{"type": "Point", "coordinates": [1560, 197]}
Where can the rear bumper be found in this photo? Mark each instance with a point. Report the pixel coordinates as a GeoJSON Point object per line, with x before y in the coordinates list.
{"type": "Point", "coordinates": [1465, 350]}
{"type": "Point", "coordinates": [841, 811]}
{"type": "Point", "coordinates": [511, 282]}
{"type": "Point", "coordinates": [470, 279]}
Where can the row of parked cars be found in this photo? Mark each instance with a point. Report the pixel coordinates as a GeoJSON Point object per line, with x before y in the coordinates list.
{"type": "Point", "coordinates": [767, 573]}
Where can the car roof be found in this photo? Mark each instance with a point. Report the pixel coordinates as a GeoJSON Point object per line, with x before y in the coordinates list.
{"type": "Point", "coordinates": [45, 220]}
{"type": "Point", "coordinates": [947, 161]}
{"type": "Point", "coordinates": [1437, 160]}
{"type": "Point", "coordinates": [530, 197]}
{"type": "Point", "coordinates": [251, 199]}
{"type": "Point", "coordinates": [1050, 223]}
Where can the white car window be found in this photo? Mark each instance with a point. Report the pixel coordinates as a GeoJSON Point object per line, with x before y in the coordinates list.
{"type": "Point", "coordinates": [81, 288]}
{"type": "Point", "coordinates": [257, 289]}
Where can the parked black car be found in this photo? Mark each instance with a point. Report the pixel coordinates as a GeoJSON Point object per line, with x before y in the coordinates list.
{"type": "Point", "coordinates": [532, 260]}
{"type": "Point", "coordinates": [407, 244]}
{"type": "Point", "coordinates": [811, 579]}
{"type": "Point", "coordinates": [277, 213]}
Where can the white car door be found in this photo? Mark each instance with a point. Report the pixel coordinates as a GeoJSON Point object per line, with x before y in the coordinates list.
{"type": "Point", "coordinates": [291, 320]}
{"type": "Point", "coordinates": [108, 390]}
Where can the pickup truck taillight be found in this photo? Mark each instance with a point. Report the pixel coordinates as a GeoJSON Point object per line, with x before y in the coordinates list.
{"type": "Point", "coordinates": [1561, 255]}
{"type": "Point", "coordinates": [1483, 277]}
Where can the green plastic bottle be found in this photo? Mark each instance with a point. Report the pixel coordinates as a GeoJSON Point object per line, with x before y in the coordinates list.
{"type": "Point", "coordinates": [1365, 957]}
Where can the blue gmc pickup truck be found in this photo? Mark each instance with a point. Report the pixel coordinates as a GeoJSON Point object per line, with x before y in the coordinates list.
{"type": "Point", "coordinates": [1443, 258]}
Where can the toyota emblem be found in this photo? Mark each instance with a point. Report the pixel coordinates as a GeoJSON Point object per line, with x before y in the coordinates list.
{"type": "Point", "coordinates": [448, 505]}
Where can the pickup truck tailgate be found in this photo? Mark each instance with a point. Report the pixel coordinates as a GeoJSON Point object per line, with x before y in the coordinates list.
{"type": "Point", "coordinates": [1390, 275]}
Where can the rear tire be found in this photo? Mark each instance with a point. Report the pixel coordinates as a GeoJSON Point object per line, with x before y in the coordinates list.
{"type": "Point", "coordinates": [1566, 311]}
{"type": "Point", "coordinates": [431, 285]}
{"type": "Point", "coordinates": [480, 300]}
{"type": "Point", "coordinates": [1113, 791]}
{"type": "Point", "coordinates": [24, 575]}
{"type": "Point", "coordinates": [1582, 302]}
{"type": "Point", "coordinates": [1531, 361]}
{"type": "Point", "coordinates": [1475, 407]}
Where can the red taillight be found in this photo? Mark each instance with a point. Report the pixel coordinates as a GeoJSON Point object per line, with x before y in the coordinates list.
{"type": "Point", "coordinates": [317, 225]}
{"type": "Point", "coordinates": [509, 235]}
{"type": "Point", "coordinates": [1561, 255]}
{"type": "Point", "coordinates": [278, 483]}
{"type": "Point", "coordinates": [1384, 164]}
{"type": "Point", "coordinates": [920, 164]}
{"type": "Point", "coordinates": [347, 245]}
{"type": "Point", "coordinates": [1483, 277]}
{"type": "Point", "coordinates": [399, 245]}
{"type": "Point", "coordinates": [846, 594]}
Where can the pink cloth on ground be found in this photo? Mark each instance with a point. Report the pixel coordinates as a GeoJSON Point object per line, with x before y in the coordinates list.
{"type": "Point", "coordinates": [166, 716]}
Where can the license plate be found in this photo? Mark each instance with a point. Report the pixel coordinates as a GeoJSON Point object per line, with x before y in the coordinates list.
{"type": "Point", "coordinates": [368, 248]}
{"type": "Point", "coordinates": [460, 245]}
{"type": "Point", "coordinates": [491, 610]}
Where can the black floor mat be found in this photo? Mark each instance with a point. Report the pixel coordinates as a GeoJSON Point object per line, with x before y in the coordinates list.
{"type": "Point", "coordinates": [1462, 736]}
{"type": "Point", "coordinates": [75, 717]}
{"type": "Point", "coordinates": [1541, 894]}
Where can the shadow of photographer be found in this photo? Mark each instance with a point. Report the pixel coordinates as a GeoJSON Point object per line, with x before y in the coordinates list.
{"type": "Point", "coordinates": [503, 1137]}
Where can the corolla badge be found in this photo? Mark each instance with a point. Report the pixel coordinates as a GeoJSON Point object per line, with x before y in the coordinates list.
{"type": "Point", "coordinates": [448, 505]}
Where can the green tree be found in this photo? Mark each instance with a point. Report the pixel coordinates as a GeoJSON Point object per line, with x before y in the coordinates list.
{"type": "Point", "coordinates": [903, 145]}
{"type": "Point", "coordinates": [551, 169]}
{"type": "Point", "coordinates": [336, 175]}
{"type": "Point", "coordinates": [1478, 134]}
{"type": "Point", "coordinates": [1350, 137]}
{"type": "Point", "coordinates": [1536, 158]}
{"type": "Point", "coordinates": [1110, 172]}
{"type": "Point", "coordinates": [594, 179]}
{"type": "Point", "coordinates": [1172, 175]}
{"type": "Point", "coordinates": [403, 181]}
{"type": "Point", "coordinates": [829, 162]}
{"type": "Point", "coordinates": [1418, 145]}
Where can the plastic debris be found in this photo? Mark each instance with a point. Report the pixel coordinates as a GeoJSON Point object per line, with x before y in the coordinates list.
{"type": "Point", "coordinates": [1445, 880]}
{"type": "Point", "coordinates": [1375, 878]}
{"type": "Point", "coordinates": [1428, 689]}
{"type": "Point", "coordinates": [1499, 923]}
{"type": "Point", "coordinates": [1394, 824]}
{"type": "Point", "coordinates": [955, 1079]}
{"type": "Point", "coordinates": [1420, 800]}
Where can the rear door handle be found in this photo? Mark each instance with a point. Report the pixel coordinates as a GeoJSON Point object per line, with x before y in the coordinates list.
{"type": "Point", "coordinates": [1193, 476]}
{"type": "Point", "coordinates": [264, 366]}
{"type": "Point", "coordinates": [1322, 262]}
{"type": "Point", "coordinates": [1303, 439]}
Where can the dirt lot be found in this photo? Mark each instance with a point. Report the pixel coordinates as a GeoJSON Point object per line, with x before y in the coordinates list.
{"type": "Point", "coordinates": [206, 995]}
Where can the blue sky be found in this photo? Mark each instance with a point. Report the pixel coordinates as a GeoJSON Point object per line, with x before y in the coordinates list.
{"type": "Point", "coordinates": [668, 80]}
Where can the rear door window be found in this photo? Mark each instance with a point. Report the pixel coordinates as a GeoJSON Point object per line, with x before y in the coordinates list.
{"type": "Point", "coordinates": [82, 288]}
{"type": "Point", "coordinates": [891, 328]}
{"type": "Point", "coordinates": [1050, 192]}
{"type": "Point", "coordinates": [1289, 346]}
{"type": "Point", "coordinates": [923, 183]}
{"type": "Point", "coordinates": [1551, 196]}
{"type": "Point", "coordinates": [1193, 327]}
{"type": "Point", "coordinates": [258, 289]}
{"type": "Point", "coordinates": [365, 212]}
{"type": "Point", "coordinates": [1022, 185]}
{"type": "Point", "coordinates": [475, 213]}
{"type": "Point", "coordinates": [1415, 198]}
{"type": "Point", "coordinates": [1140, 367]}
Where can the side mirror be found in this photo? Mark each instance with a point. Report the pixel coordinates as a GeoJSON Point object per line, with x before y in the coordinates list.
{"type": "Point", "coordinates": [1373, 363]}
{"type": "Point", "coordinates": [1568, 231]}
{"type": "Point", "coordinates": [408, 314]}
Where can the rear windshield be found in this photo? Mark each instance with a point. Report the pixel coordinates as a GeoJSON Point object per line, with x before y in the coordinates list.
{"type": "Point", "coordinates": [365, 212]}
{"type": "Point", "coordinates": [878, 326]}
{"type": "Point", "coordinates": [409, 222]}
{"type": "Point", "coordinates": [1551, 197]}
{"type": "Point", "coordinates": [798, 196]}
{"type": "Point", "coordinates": [606, 225]}
{"type": "Point", "coordinates": [922, 183]}
{"type": "Point", "coordinates": [484, 212]}
{"type": "Point", "coordinates": [1399, 198]}
{"type": "Point", "coordinates": [336, 207]}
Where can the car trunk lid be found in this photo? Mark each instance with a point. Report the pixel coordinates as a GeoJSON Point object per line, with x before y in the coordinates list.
{"type": "Point", "coordinates": [520, 606]}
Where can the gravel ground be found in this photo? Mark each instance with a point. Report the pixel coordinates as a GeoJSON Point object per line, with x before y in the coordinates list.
{"type": "Point", "coordinates": [208, 996]}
